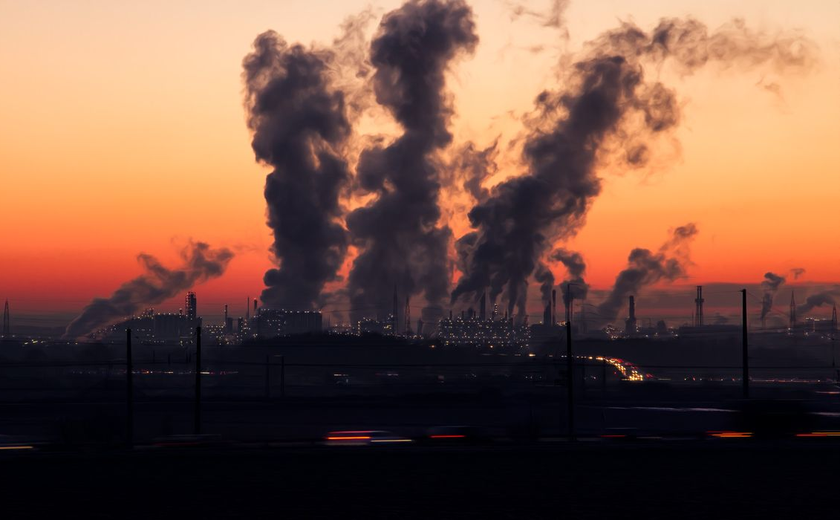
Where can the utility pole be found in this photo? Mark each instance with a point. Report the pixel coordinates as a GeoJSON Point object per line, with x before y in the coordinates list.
{"type": "Point", "coordinates": [745, 377]}
{"type": "Point", "coordinates": [197, 425]}
{"type": "Point", "coordinates": [570, 394]}
{"type": "Point", "coordinates": [129, 392]}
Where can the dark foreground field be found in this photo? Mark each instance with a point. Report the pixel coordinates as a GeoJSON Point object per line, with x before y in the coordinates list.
{"type": "Point", "coordinates": [703, 479]}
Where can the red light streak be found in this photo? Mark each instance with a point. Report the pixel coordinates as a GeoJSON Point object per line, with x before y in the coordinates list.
{"type": "Point", "coordinates": [447, 436]}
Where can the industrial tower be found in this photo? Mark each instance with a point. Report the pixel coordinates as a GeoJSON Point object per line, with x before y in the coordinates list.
{"type": "Point", "coordinates": [698, 314]}
{"type": "Point", "coordinates": [630, 325]}
{"type": "Point", "coordinates": [394, 319]}
{"type": "Point", "coordinates": [407, 316]}
{"type": "Point", "coordinates": [6, 326]}
{"type": "Point", "coordinates": [792, 311]}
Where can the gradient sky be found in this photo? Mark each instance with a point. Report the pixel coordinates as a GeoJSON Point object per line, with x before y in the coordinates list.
{"type": "Point", "coordinates": [123, 131]}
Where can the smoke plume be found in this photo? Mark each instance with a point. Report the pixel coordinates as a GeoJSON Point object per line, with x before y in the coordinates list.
{"type": "Point", "coordinates": [300, 126]}
{"type": "Point", "coordinates": [157, 284]}
{"type": "Point", "coordinates": [770, 286]}
{"type": "Point", "coordinates": [575, 273]}
{"type": "Point", "coordinates": [477, 165]}
{"type": "Point", "coordinates": [827, 297]}
{"type": "Point", "coordinates": [797, 272]}
{"type": "Point", "coordinates": [555, 16]}
{"type": "Point", "coordinates": [607, 111]}
{"type": "Point", "coordinates": [645, 268]}
{"type": "Point", "coordinates": [398, 233]}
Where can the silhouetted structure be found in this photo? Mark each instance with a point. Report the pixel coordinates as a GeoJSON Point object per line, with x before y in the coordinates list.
{"type": "Point", "coordinates": [190, 306]}
{"type": "Point", "coordinates": [482, 308]}
{"type": "Point", "coordinates": [280, 322]}
{"type": "Point", "coordinates": [469, 330]}
{"type": "Point", "coordinates": [7, 328]}
{"type": "Point", "coordinates": [792, 311]}
{"type": "Point", "coordinates": [834, 319]}
{"type": "Point", "coordinates": [630, 324]}
{"type": "Point", "coordinates": [394, 317]}
{"type": "Point", "coordinates": [698, 313]}
{"type": "Point", "coordinates": [407, 316]}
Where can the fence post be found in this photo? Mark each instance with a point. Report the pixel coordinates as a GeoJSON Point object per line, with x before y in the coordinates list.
{"type": "Point", "coordinates": [197, 425]}
{"type": "Point", "coordinates": [129, 391]}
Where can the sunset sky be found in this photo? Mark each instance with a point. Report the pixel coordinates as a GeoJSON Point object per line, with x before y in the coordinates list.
{"type": "Point", "coordinates": [123, 131]}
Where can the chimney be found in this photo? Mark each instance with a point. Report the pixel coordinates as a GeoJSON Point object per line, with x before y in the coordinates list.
{"type": "Point", "coordinates": [699, 302]}
{"type": "Point", "coordinates": [394, 317]}
{"type": "Point", "coordinates": [792, 311]}
{"type": "Point", "coordinates": [482, 308]}
{"type": "Point", "coordinates": [630, 325]}
{"type": "Point", "coordinates": [407, 316]}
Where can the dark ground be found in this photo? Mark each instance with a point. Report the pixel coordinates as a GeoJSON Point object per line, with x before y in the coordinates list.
{"type": "Point", "coordinates": [701, 479]}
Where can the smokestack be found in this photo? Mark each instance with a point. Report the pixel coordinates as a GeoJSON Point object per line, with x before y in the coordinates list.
{"type": "Point", "coordinates": [699, 302]}
{"type": "Point", "coordinates": [407, 316]}
{"type": "Point", "coordinates": [630, 326]}
{"type": "Point", "coordinates": [792, 311]}
{"type": "Point", "coordinates": [247, 308]}
{"type": "Point", "coordinates": [255, 307]}
{"type": "Point", "coordinates": [482, 308]}
{"type": "Point", "coordinates": [6, 323]}
{"type": "Point", "coordinates": [834, 319]}
{"type": "Point", "coordinates": [395, 319]}
{"type": "Point", "coordinates": [554, 307]}
{"type": "Point", "coordinates": [547, 314]}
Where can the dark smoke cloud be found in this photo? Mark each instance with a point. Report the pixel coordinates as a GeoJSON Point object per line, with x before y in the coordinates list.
{"type": "Point", "coordinates": [575, 273]}
{"type": "Point", "coordinates": [645, 268]}
{"type": "Point", "coordinates": [156, 285]}
{"type": "Point", "coordinates": [797, 272]}
{"type": "Point", "coordinates": [300, 126]}
{"type": "Point", "coordinates": [827, 297]}
{"type": "Point", "coordinates": [608, 111]}
{"type": "Point", "coordinates": [545, 278]}
{"type": "Point", "coordinates": [770, 286]}
{"type": "Point", "coordinates": [398, 234]}
{"type": "Point", "coordinates": [477, 165]}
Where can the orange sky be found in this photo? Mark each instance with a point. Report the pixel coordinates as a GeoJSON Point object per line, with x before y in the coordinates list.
{"type": "Point", "coordinates": [123, 131]}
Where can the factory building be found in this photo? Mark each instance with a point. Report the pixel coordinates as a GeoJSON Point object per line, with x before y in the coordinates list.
{"type": "Point", "coordinates": [270, 323]}
{"type": "Point", "coordinates": [469, 330]}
